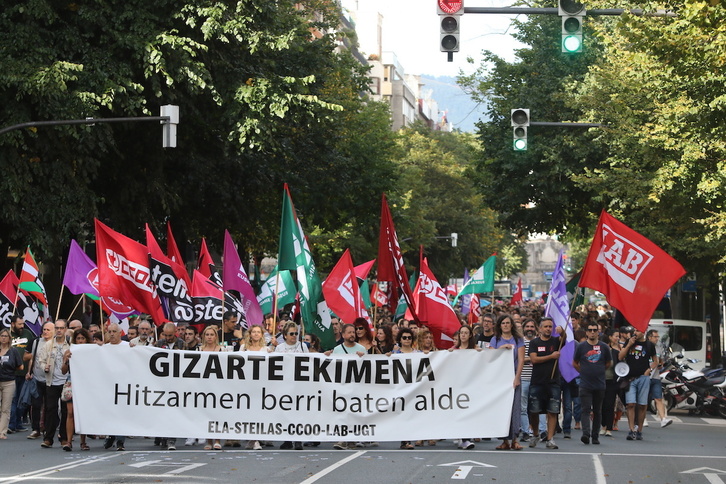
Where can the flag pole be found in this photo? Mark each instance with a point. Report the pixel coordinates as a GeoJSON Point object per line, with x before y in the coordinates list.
{"type": "Point", "coordinates": [60, 299]}
{"type": "Point", "coordinates": [74, 307]}
{"type": "Point", "coordinates": [274, 305]}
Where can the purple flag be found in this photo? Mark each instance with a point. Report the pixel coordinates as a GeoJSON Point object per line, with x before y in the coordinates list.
{"type": "Point", "coordinates": [234, 277]}
{"type": "Point", "coordinates": [80, 271]}
{"type": "Point", "coordinates": [466, 298]}
{"type": "Point", "coordinates": [558, 308]}
{"type": "Point", "coordinates": [81, 277]}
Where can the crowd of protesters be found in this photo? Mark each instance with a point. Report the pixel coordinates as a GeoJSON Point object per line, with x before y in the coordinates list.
{"type": "Point", "coordinates": [36, 390]}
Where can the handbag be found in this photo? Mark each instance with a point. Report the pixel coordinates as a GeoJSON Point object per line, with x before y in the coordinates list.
{"type": "Point", "coordinates": [67, 392]}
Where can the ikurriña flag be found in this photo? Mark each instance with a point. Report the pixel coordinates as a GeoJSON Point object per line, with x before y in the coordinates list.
{"type": "Point", "coordinates": [632, 272]}
{"type": "Point", "coordinates": [123, 272]}
{"type": "Point", "coordinates": [30, 278]}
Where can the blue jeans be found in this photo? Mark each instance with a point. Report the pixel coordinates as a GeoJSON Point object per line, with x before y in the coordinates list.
{"type": "Point", "coordinates": [525, 416]}
{"type": "Point", "coordinates": [571, 406]}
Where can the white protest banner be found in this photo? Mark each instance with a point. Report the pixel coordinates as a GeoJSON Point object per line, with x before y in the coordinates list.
{"type": "Point", "coordinates": [118, 390]}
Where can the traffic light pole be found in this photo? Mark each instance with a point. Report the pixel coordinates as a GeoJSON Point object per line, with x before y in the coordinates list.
{"type": "Point", "coordinates": [554, 11]}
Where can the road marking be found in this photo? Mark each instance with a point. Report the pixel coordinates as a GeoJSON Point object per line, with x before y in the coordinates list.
{"type": "Point", "coordinates": [331, 468]}
{"type": "Point", "coordinates": [599, 470]}
{"type": "Point", "coordinates": [50, 470]}
{"type": "Point", "coordinates": [714, 421]}
{"type": "Point", "coordinates": [711, 475]}
{"type": "Point", "coordinates": [463, 470]}
{"type": "Point", "coordinates": [178, 470]}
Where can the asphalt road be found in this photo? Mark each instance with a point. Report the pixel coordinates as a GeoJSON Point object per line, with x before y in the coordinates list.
{"type": "Point", "coordinates": [692, 450]}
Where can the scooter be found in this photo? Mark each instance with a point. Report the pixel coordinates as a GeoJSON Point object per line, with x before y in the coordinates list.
{"type": "Point", "coordinates": [688, 389]}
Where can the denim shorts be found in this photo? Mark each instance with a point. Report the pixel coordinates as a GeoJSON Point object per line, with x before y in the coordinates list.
{"type": "Point", "coordinates": [656, 389]}
{"type": "Point", "coordinates": [544, 398]}
{"type": "Point", "coordinates": [638, 391]}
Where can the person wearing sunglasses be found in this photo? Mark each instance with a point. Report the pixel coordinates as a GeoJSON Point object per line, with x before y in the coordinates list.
{"type": "Point", "coordinates": [291, 344]}
{"type": "Point", "coordinates": [405, 345]}
{"type": "Point", "coordinates": [363, 335]}
{"type": "Point", "coordinates": [592, 357]}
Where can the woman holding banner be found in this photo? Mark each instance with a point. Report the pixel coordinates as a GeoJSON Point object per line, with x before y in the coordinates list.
{"type": "Point", "coordinates": [291, 345]}
{"type": "Point", "coordinates": [465, 341]}
{"type": "Point", "coordinates": [80, 337]}
{"type": "Point", "coordinates": [363, 334]}
{"type": "Point", "coordinates": [210, 342]}
{"type": "Point", "coordinates": [507, 336]}
{"type": "Point", "coordinates": [254, 341]}
{"type": "Point", "coordinates": [10, 362]}
{"type": "Point", "coordinates": [384, 342]}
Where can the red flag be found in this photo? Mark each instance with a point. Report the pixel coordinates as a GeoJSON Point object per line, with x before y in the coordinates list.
{"type": "Point", "coordinates": [517, 296]}
{"type": "Point", "coordinates": [433, 308]}
{"type": "Point", "coordinates": [474, 310]}
{"type": "Point", "coordinates": [379, 297]}
{"type": "Point", "coordinates": [206, 266]}
{"type": "Point", "coordinates": [361, 271]}
{"type": "Point", "coordinates": [123, 272]}
{"type": "Point", "coordinates": [155, 253]}
{"type": "Point", "coordinates": [172, 250]}
{"type": "Point", "coordinates": [390, 261]}
{"type": "Point", "coordinates": [341, 291]}
{"type": "Point", "coordinates": [629, 269]}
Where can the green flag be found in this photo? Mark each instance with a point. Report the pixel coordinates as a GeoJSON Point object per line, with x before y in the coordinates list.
{"type": "Point", "coordinates": [365, 293]}
{"type": "Point", "coordinates": [294, 255]}
{"type": "Point", "coordinates": [574, 291]}
{"type": "Point", "coordinates": [402, 304]}
{"type": "Point", "coordinates": [285, 289]}
{"type": "Point", "coordinates": [481, 281]}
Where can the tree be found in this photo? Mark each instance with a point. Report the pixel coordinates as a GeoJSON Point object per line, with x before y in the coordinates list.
{"type": "Point", "coordinates": [436, 197]}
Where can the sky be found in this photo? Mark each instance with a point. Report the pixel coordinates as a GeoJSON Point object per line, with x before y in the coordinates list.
{"type": "Point", "coordinates": [411, 30]}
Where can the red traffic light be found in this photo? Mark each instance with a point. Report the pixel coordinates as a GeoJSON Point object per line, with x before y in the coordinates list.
{"type": "Point", "coordinates": [450, 6]}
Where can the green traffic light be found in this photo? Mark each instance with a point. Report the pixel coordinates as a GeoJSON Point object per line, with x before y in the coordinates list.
{"type": "Point", "coordinates": [571, 43]}
{"type": "Point", "coordinates": [520, 145]}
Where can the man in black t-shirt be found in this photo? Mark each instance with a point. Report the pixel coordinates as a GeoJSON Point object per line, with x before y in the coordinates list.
{"type": "Point", "coordinates": [487, 325]}
{"type": "Point", "coordinates": [544, 390]}
{"type": "Point", "coordinates": [592, 357]}
{"type": "Point", "coordinates": [640, 355]}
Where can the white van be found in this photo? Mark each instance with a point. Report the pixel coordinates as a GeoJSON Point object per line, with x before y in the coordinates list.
{"type": "Point", "coordinates": [691, 335]}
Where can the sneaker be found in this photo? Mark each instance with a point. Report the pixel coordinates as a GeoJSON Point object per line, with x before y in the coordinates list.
{"type": "Point", "coordinates": [525, 438]}
{"type": "Point", "coordinates": [298, 446]}
{"type": "Point", "coordinates": [645, 423]}
{"type": "Point", "coordinates": [631, 435]}
{"type": "Point", "coordinates": [171, 447]}
{"type": "Point", "coordinates": [33, 435]}
{"type": "Point", "coordinates": [666, 422]}
{"type": "Point", "coordinates": [608, 433]}
{"type": "Point", "coordinates": [567, 436]}
{"type": "Point", "coordinates": [638, 436]}
{"type": "Point", "coordinates": [551, 444]}
{"type": "Point", "coordinates": [256, 445]}
{"type": "Point", "coordinates": [46, 444]}
{"type": "Point", "coordinates": [340, 446]}
{"type": "Point", "coordinates": [120, 448]}
{"type": "Point", "coordinates": [595, 441]}
{"type": "Point", "coordinates": [190, 441]}
{"type": "Point", "coordinates": [108, 442]}
{"type": "Point", "coordinates": [360, 445]}
{"type": "Point", "coordinates": [467, 445]}
{"type": "Point", "coordinates": [533, 442]}
{"type": "Point", "coordinates": [602, 431]}
{"type": "Point", "coordinates": [543, 436]}
{"type": "Point", "coordinates": [10, 431]}
{"type": "Point", "coordinates": [585, 440]}
{"type": "Point", "coordinates": [286, 445]}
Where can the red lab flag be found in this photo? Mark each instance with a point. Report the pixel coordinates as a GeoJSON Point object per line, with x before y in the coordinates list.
{"type": "Point", "coordinates": [629, 269]}
{"type": "Point", "coordinates": [433, 308]}
{"type": "Point", "coordinates": [123, 272]}
{"type": "Point", "coordinates": [517, 296]}
{"type": "Point", "coordinates": [390, 261]}
{"type": "Point", "coordinates": [341, 291]}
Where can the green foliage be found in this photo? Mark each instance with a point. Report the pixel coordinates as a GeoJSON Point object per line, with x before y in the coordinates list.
{"type": "Point", "coordinates": [264, 99]}
{"type": "Point", "coordinates": [436, 197]}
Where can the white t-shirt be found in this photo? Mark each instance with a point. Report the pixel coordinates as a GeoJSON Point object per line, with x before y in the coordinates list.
{"type": "Point", "coordinates": [298, 347]}
{"type": "Point", "coordinates": [343, 350]}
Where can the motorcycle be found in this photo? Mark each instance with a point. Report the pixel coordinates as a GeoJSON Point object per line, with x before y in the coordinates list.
{"type": "Point", "coordinates": [702, 393]}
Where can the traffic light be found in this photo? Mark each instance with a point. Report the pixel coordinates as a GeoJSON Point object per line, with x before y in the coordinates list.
{"type": "Point", "coordinates": [520, 122]}
{"type": "Point", "coordinates": [450, 12]}
{"type": "Point", "coordinates": [572, 13]}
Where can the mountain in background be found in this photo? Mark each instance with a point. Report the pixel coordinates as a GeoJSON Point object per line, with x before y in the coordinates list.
{"type": "Point", "coordinates": [460, 108]}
